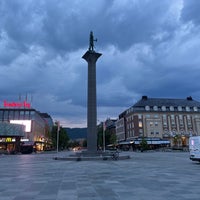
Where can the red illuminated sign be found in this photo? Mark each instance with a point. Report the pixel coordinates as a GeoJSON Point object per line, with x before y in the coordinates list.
{"type": "Point", "coordinates": [16, 104]}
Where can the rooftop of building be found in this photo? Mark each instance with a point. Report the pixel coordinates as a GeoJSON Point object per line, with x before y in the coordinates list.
{"type": "Point", "coordinates": [146, 101]}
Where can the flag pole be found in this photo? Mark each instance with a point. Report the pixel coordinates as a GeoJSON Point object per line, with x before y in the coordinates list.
{"type": "Point", "coordinates": [104, 141]}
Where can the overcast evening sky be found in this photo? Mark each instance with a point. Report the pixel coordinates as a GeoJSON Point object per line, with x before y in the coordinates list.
{"type": "Point", "coordinates": [149, 47]}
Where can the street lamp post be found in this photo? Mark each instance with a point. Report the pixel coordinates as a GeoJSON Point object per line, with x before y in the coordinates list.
{"type": "Point", "coordinates": [58, 129]}
{"type": "Point", "coordinates": [104, 139]}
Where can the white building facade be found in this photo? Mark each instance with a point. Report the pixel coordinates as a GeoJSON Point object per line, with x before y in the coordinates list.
{"type": "Point", "coordinates": [159, 118]}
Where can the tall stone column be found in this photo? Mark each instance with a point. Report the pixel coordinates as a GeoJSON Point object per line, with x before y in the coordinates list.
{"type": "Point", "coordinates": [91, 57]}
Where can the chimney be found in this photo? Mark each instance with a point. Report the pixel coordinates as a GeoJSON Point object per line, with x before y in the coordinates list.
{"type": "Point", "coordinates": [189, 98]}
{"type": "Point", "coordinates": [144, 97]}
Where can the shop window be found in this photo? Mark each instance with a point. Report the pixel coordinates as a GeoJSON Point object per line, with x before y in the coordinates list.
{"type": "Point", "coordinates": [11, 114]}
{"type": "Point", "coordinates": [16, 114]}
{"type": "Point", "coordinates": [1, 115]}
{"type": "Point", "coordinates": [5, 117]}
{"type": "Point", "coordinates": [140, 124]}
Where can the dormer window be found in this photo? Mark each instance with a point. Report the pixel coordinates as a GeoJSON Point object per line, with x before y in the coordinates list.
{"type": "Point", "coordinates": [171, 108]}
{"type": "Point", "coordinates": [155, 108]}
{"type": "Point", "coordinates": [147, 108]}
{"type": "Point", "coordinates": [195, 108]}
{"type": "Point", "coordinates": [179, 108]}
{"type": "Point", "coordinates": [187, 108]}
{"type": "Point", "coordinates": [163, 108]}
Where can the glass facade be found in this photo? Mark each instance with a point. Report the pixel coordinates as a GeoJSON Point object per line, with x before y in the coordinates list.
{"type": "Point", "coordinates": [36, 133]}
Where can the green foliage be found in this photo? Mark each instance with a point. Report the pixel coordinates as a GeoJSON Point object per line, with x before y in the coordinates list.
{"type": "Point", "coordinates": [85, 143]}
{"type": "Point", "coordinates": [143, 144]}
{"type": "Point", "coordinates": [113, 139]}
{"type": "Point", "coordinates": [63, 138]}
{"type": "Point", "coordinates": [110, 138]}
{"type": "Point", "coordinates": [100, 136]}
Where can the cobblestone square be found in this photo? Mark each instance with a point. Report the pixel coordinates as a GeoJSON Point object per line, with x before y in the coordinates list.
{"type": "Point", "coordinates": [147, 175]}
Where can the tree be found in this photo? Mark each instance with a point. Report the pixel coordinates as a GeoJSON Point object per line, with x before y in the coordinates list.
{"type": "Point", "coordinates": [63, 138]}
{"type": "Point", "coordinates": [143, 144]}
{"type": "Point", "coordinates": [100, 135]}
{"type": "Point", "coordinates": [85, 143]}
{"type": "Point", "coordinates": [113, 138]}
{"type": "Point", "coordinates": [110, 138]}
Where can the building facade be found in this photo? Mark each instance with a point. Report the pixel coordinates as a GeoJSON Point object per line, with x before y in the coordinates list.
{"type": "Point", "coordinates": [120, 129]}
{"type": "Point", "coordinates": [161, 118]}
{"type": "Point", "coordinates": [37, 126]}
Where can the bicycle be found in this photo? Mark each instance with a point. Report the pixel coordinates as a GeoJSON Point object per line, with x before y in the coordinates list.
{"type": "Point", "coordinates": [115, 155]}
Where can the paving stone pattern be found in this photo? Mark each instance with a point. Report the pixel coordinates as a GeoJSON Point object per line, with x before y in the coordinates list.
{"type": "Point", "coordinates": [147, 175]}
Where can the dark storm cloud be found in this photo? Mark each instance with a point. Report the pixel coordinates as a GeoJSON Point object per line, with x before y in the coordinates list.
{"type": "Point", "coordinates": [191, 11]}
{"type": "Point", "coordinates": [148, 48]}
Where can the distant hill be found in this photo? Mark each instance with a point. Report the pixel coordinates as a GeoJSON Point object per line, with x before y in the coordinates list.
{"type": "Point", "coordinates": [76, 133]}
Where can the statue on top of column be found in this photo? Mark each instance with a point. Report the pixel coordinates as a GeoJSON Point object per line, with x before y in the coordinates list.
{"type": "Point", "coordinates": [92, 40]}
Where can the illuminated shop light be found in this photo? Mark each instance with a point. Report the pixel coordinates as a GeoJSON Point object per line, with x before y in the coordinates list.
{"type": "Point", "coordinates": [26, 123]}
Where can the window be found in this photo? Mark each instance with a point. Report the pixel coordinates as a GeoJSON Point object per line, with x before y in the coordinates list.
{"type": "Point", "coordinates": [187, 108]}
{"type": "Point", "coordinates": [5, 115]}
{"type": "Point", "coordinates": [181, 120]}
{"type": "Point", "coordinates": [188, 117]}
{"type": "Point", "coordinates": [11, 114]}
{"type": "Point", "coordinates": [195, 109]}
{"type": "Point", "coordinates": [140, 124]}
{"type": "Point", "coordinates": [172, 120]}
{"type": "Point", "coordinates": [27, 114]}
{"type": "Point", "coordinates": [21, 114]}
{"type": "Point", "coordinates": [163, 108]}
{"type": "Point", "coordinates": [171, 108]}
{"type": "Point", "coordinates": [164, 117]}
{"type": "Point", "coordinates": [155, 108]}
{"type": "Point", "coordinates": [147, 108]}
{"type": "Point", "coordinates": [1, 115]}
{"type": "Point", "coordinates": [179, 108]}
{"type": "Point", "coordinates": [139, 116]}
{"type": "Point", "coordinates": [16, 114]}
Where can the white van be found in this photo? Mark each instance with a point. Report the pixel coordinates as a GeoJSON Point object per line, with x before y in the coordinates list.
{"type": "Point", "coordinates": [194, 148]}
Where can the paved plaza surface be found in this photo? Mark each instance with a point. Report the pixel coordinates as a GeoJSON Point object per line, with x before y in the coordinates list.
{"type": "Point", "coordinates": [147, 175]}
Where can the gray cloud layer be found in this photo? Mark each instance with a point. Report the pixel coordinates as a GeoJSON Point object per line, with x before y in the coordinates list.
{"type": "Point", "coordinates": [149, 48]}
